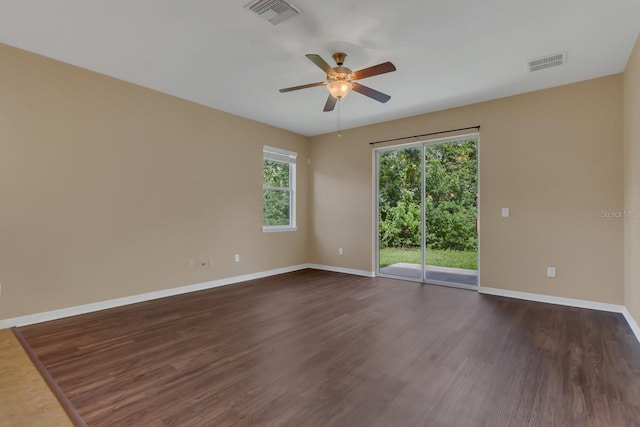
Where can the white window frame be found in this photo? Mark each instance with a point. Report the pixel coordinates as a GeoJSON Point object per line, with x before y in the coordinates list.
{"type": "Point", "coordinates": [283, 156]}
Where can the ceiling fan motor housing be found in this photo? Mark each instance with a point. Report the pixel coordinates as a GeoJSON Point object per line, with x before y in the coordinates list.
{"type": "Point", "coordinates": [339, 57]}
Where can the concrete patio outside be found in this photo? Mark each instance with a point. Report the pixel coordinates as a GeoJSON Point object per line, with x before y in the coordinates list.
{"type": "Point", "coordinates": [441, 274]}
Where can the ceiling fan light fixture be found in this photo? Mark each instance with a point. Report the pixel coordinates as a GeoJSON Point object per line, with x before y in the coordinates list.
{"type": "Point", "coordinates": [339, 88]}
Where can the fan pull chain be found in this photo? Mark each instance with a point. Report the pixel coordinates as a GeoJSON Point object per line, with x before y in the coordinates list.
{"type": "Point", "coordinates": [338, 110]}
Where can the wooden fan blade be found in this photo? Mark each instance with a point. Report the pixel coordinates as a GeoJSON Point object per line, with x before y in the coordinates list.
{"type": "Point", "coordinates": [371, 93]}
{"type": "Point", "coordinates": [289, 89]}
{"type": "Point", "coordinates": [317, 59]}
{"type": "Point", "coordinates": [385, 67]}
{"type": "Point", "coordinates": [331, 104]}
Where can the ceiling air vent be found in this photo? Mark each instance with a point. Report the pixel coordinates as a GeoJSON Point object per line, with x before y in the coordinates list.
{"type": "Point", "coordinates": [274, 11]}
{"type": "Point", "coordinates": [547, 61]}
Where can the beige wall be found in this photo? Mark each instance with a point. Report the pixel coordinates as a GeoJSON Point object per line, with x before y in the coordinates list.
{"type": "Point", "coordinates": [554, 157]}
{"type": "Point", "coordinates": [632, 181]}
{"type": "Point", "coordinates": [107, 188]}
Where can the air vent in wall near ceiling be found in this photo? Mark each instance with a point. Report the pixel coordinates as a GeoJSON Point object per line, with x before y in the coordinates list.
{"type": "Point", "coordinates": [548, 61]}
{"type": "Point", "coordinates": [274, 11]}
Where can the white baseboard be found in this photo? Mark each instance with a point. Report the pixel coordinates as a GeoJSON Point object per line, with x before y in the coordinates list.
{"type": "Point", "coordinates": [602, 306]}
{"type": "Point", "coordinates": [632, 323]}
{"type": "Point", "coordinates": [117, 302]}
{"type": "Point", "coordinates": [364, 273]}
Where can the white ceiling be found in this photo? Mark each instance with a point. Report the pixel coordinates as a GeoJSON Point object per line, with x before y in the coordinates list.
{"type": "Point", "coordinates": [215, 52]}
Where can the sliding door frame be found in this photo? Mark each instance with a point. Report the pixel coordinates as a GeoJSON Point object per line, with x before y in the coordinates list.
{"type": "Point", "coordinates": [376, 232]}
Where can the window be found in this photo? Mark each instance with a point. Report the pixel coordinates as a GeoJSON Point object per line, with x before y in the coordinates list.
{"type": "Point", "coordinates": [279, 190]}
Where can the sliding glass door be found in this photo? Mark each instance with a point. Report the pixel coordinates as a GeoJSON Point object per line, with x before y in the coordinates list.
{"type": "Point", "coordinates": [427, 216]}
{"type": "Point", "coordinates": [400, 178]}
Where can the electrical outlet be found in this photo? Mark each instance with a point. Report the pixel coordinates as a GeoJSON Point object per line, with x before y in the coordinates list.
{"type": "Point", "coordinates": [340, 251]}
{"type": "Point", "coordinates": [237, 258]}
{"type": "Point", "coordinates": [551, 272]}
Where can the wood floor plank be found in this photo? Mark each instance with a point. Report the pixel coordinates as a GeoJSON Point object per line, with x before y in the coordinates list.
{"type": "Point", "coordinates": [316, 348]}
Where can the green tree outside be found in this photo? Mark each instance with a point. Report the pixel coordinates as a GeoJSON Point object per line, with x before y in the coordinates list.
{"type": "Point", "coordinates": [450, 200]}
{"type": "Point", "coordinates": [276, 194]}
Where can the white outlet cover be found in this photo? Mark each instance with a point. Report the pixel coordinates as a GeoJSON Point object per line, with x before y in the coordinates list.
{"type": "Point", "coordinates": [505, 212]}
{"type": "Point", "coordinates": [551, 272]}
{"type": "Point", "coordinates": [237, 258]}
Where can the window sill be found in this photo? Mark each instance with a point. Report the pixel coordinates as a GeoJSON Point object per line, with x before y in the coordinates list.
{"type": "Point", "coordinates": [277, 229]}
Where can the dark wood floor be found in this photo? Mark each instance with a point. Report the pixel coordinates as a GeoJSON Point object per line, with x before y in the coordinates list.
{"type": "Point", "coordinates": [314, 348]}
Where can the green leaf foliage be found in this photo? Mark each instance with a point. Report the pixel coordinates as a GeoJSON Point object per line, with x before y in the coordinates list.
{"type": "Point", "coordinates": [276, 174]}
{"type": "Point", "coordinates": [450, 201]}
{"type": "Point", "coordinates": [276, 197]}
{"type": "Point", "coordinates": [276, 207]}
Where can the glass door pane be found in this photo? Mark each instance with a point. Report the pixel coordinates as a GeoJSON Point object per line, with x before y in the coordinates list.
{"type": "Point", "coordinates": [400, 174]}
{"type": "Point", "coordinates": [451, 211]}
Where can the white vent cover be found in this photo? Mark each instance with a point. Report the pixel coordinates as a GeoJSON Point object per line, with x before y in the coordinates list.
{"type": "Point", "coordinates": [547, 61]}
{"type": "Point", "coordinates": [274, 11]}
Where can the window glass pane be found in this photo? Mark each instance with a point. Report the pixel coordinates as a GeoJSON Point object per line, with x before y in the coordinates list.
{"type": "Point", "coordinates": [276, 174]}
{"type": "Point", "coordinates": [276, 207]}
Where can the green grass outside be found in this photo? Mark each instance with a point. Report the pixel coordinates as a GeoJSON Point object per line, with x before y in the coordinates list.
{"type": "Point", "coordinates": [441, 258]}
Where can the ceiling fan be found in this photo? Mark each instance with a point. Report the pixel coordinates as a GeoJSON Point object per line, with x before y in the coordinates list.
{"type": "Point", "coordinates": [340, 80]}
